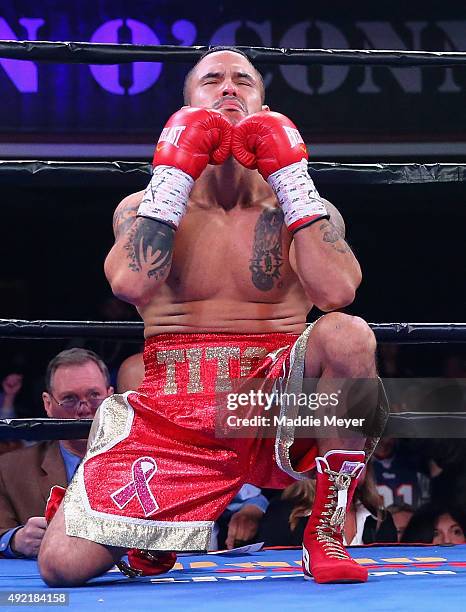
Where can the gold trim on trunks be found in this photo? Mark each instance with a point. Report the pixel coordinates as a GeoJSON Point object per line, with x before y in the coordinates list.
{"type": "Point", "coordinates": [112, 424]}
{"type": "Point", "coordinates": [285, 433]}
{"type": "Point", "coordinates": [127, 532]}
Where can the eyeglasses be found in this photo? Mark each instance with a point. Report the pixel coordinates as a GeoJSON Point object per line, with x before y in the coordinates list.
{"type": "Point", "coordinates": [93, 400]}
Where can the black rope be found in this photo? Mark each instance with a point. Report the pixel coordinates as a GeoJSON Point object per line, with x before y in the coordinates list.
{"type": "Point", "coordinates": [34, 330]}
{"type": "Point", "coordinates": [106, 53]}
{"type": "Point", "coordinates": [420, 333]}
{"type": "Point", "coordinates": [44, 429]}
{"type": "Point", "coordinates": [401, 425]}
{"type": "Point", "coordinates": [135, 175]}
{"type": "Point", "coordinates": [403, 333]}
{"type": "Point", "coordinates": [415, 425]}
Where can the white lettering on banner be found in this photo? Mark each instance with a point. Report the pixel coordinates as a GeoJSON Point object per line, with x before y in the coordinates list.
{"type": "Point", "coordinates": [244, 579]}
{"type": "Point", "coordinates": [454, 41]}
{"type": "Point", "coordinates": [330, 78]}
{"type": "Point", "coordinates": [378, 35]}
{"type": "Point", "coordinates": [408, 78]}
{"type": "Point", "coordinates": [294, 136]}
{"type": "Point", "coordinates": [309, 80]}
{"type": "Point", "coordinates": [226, 35]}
{"type": "Point", "coordinates": [172, 134]}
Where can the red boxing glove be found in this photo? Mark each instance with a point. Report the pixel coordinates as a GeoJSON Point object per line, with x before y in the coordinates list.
{"type": "Point", "coordinates": [267, 141]}
{"type": "Point", "coordinates": [191, 139]}
{"type": "Point", "coordinates": [271, 143]}
{"type": "Point", "coordinates": [56, 495]}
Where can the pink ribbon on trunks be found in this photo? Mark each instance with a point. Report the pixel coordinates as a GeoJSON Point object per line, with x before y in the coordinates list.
{"type": "Point", "coordinates": [142, 470]}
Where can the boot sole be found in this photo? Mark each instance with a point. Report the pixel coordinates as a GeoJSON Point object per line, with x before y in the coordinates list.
{"type": "Point", "coordinates": [335, 581]}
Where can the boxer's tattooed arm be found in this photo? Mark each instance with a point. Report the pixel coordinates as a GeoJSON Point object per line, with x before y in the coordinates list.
{"type": "Point", "coordinates": [331, 235]}
{"type": "Point", "coordinates": [267, 257]}
{"type": "Point", "coordinates": [123, 219]}
{"type": "Point", "coordinates": [149, 247]}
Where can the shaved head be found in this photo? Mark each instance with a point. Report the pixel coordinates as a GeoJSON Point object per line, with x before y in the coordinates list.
{"type": "Point", "coordinates": [189, 76]}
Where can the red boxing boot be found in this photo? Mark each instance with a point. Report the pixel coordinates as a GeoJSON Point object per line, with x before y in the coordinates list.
{"type": "Point", "coordinates": [147, 563]}
{"type": "Point", "coordinates": [324, 556]}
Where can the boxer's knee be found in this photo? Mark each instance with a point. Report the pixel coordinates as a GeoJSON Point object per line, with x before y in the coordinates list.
{"type": "Point", "coordinates": [345, 343]}
{"type": "Point", "coordinates": [340, 330]}
{"type": "Point", "coordinates": [67, 561]}
{"type": "Point", "coordinates": [73, 561]}
{"type": "Point", "coordinates": [57, 569]}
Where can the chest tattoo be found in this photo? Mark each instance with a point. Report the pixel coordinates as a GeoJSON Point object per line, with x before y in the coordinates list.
{"type": "Point", "coordinates": [267, 258]}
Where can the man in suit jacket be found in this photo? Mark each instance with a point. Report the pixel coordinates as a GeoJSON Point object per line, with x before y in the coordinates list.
{"type": "Point", "coordinates": [77, 381]}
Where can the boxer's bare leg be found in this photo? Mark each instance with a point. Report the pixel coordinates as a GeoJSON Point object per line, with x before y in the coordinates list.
{"type": "Point", "coordinates": [342, 347]}
{"type": "Point", "coordinates": [66, 561]}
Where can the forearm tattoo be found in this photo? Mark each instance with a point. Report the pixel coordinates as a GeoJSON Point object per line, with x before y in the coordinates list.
{"type": "Point", "coordinates": [123, 219]}
{"type": "Point", "coordinates": [331, 235]}
{"type": "Point", "coordinates": [267, 256]}
{"type": "Point", "coordinates": [149, 247]}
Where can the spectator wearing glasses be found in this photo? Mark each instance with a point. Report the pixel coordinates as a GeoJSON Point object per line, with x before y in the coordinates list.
{"type": "Point", "coordinates": [76, 383]}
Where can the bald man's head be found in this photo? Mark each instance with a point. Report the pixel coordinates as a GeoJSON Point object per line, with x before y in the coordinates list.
{"type": "Point", "coordinates": [218, 49]}
{"type": "Point", "coordinates": [131, 373]}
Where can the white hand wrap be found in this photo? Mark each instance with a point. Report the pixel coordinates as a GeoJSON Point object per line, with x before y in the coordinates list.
{"type": "Point", "coordinates": [298, 196]}
{"type": "Point", "coordinates": [166, 196]}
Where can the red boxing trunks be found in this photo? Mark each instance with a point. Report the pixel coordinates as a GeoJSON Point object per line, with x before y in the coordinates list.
{"type": "Point", "coordinates": [156, 476]}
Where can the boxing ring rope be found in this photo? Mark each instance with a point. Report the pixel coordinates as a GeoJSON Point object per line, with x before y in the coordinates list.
{"type": "Point", "coordinates": [108, 53]}
{"type": "Point", "coordinates": [405, 424]}
{"type": "Point", "coordinates": [132, 174]}
{"type": "Point", "coordinates": [403, 333]}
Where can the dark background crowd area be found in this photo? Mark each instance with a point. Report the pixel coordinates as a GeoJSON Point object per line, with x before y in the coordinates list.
{"type": "Point", "coordinates": [408, 238]}
{"type": "Point", "coordinates": [29, 358]}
